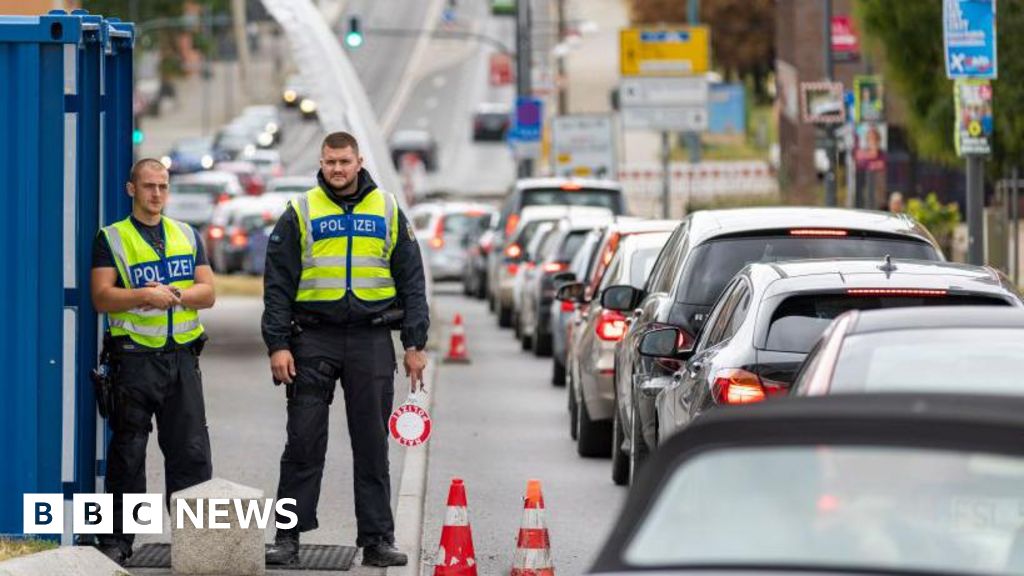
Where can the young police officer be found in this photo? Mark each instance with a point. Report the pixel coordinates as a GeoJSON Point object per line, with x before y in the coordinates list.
{"type": "Point", "coordinates": [341, 259]}
{"type": "Point", "coordinates": [149, 274]}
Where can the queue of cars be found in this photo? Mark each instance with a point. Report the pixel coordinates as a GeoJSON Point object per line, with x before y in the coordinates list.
{"type": "Point", "coordinates": [687, 348]}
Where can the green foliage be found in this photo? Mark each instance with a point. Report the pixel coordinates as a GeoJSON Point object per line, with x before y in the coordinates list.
{"type": "Point", "coordinates": [940, 219]}
{"type": "Point", "coordinates": [144, 10]}
{"type": "Point", "coordinates": [909, 35]}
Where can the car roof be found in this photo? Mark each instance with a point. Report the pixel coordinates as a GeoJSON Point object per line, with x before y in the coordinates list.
{"type": "Point", "coordinates": [642, 241]}
{"type": "Point", "coordinates": [552, 182]}
{"type": "Point", "coordinates": [845, 273]}
{"type": "Point", "coordinates": [307, 181]}
{"type": "Point", "coordinates": [411, 136]}
{"type": "Point", "coordinates": [206, 176]}
{"type": "Point", "coordinates": [630, 226]}
{"type": "Point", "coordinates": [708, 224]}
{"type": "Point", "coordinates": [985, 424]}
{"type": "Point", "coordinates": [868, 321]}
{"type": "Point", "coordinates": [556, 211]}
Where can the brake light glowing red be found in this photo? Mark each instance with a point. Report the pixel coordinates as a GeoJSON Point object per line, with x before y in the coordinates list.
{"type": "Point", "coordinates": [437, 242]}
{"type": "Point", "coordinates": [572, 186]}
{"type": "Point", "coordinates": [216, 232]}
{"type": "Point", "coordinates": [735, 386]}
{"type": "Point", "coordinates": [512, 268]}
{"type": "Point", "coordinates": [513, 251]}
{"type": "Point", "coordinates": [239, 238]}
{"type": "Point", "coordinates": [611, 326]}
{"type": "Point", "coordinates": [895, 292]}
{"type": "Point", "coordinates": [554, 267]}
{"type": "Point", "coordinates": [568, 306]}
{"type": "Point", "coordinates": [510, 225]}
{"type": "Point", "coordinates": [819, 232]}
{"type": "Point", "coordinates": [224, 197]}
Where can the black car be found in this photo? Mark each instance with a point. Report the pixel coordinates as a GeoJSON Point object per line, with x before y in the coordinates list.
{"type": "Point", "coordinates": [976, 350]}
{"type": "Point", "coordinates": [771, 314]}
{"type": "Point", "coordinates": [478, 242]}
{"type": "Point", "coordinates": [706, 250]}
{"type": "Point", "coordinates": [873, 484]}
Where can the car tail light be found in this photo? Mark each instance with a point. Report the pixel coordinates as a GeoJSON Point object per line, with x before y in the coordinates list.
{"type": "Point", "coordinates": [611, 326]}
{"type": "Point", "coordinates": [239, 238]}
{"type": "Point", "coordinates": [216, 232]}
{"type": "Point", "coordinates": [530, 265]}
{"type": "Point", "coordinates": [487, 245]}
{"type": "Point", "coordinates": [818, 232]}
{"type": "Point", "coordinates": [437, 242]}
{"type": "Point", "coordinates": [513, 251]}
{"type": "Point", "coordinates": [224, 197]}
{"type": "Point", "coordinates": [554, 267]}
{"type": "Point", "coordinates": [572, 186]}
{"type": "Point", "coordinates": [512, 268]}
{"type": "Point", "coordinates": [895, 292]}
{"type": "Point", "coordinates": [568, 306]}
{"type": "Point", "coordinates": [735, 386]}
{"type": "Point", "coordinates": [510, 225]}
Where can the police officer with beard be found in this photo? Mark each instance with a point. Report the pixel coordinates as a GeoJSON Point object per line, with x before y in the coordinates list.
{"type": "Point", "coordinates": [150, 276]}
{"type": "Point", "coordinates": [340, 262]}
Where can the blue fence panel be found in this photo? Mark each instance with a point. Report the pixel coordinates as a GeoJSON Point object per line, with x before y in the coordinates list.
{"type": "Point", "coordinates": [65, 119]}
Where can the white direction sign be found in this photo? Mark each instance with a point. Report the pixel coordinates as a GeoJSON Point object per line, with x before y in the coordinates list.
{"type": "Point", "coordinates": [583, 145]}
{"type": "Point", "coordinates": [662, 103]}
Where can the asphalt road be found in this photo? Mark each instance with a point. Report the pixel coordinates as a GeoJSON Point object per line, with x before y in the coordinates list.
{"type": "Point", "coordinates": [246, 419]}
{"type": "Point", "coordinates": [499, 422]}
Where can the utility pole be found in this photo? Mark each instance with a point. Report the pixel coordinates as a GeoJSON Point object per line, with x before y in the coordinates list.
{"type": "Point", "coordinates": [563, 97]}
{"type": "Point", "coordinates": [975, 209]}
{"type": "Point", "coordinates": [524, 54]}
{"type": "Point", "coordinates": [238, 17]}
{"type": "Point", "coordinates": [207, 71]}
{"type": "Point", "coordinates": [693, 138]}
{"type": "Point", "coordinates": [830, 132]}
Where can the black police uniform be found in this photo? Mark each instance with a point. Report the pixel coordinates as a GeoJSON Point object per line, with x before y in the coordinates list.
{"type": "Point", "coordinates": [332, 340]}
{"type": "Point", "coordinates": [148, 382]}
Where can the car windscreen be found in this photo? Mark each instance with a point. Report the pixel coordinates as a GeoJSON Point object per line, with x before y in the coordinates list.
{"type": "Point", "coordinates": [600, 198]}
{"type": "Point", "coordinates": [713, 263]}
{"type": "Point", "coordinates": [641, 264]}
{"type": "Point", "coordinates": [196, 188]}
{"type": "Point", "coordinates": [954, 360]}
{"type": "Point", "coordinates": [460, 224]}
{"type": "Point", "coordinates": [799, 321]}
{"type": "Point", "coordinates": [571, 245]}
{"type": "Point", "coordinates": [865, 508]}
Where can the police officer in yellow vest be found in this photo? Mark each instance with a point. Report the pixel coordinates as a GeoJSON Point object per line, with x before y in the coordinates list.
{"type": "Point", "coordinates": [342, 258]}
{"type": "Point", "coordinates": [150, 276]}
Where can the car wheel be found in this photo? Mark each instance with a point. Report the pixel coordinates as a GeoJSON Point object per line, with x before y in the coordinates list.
{"type": "Point", "coordinates": [541, 343]}
{"type": "Point", "coordinates": [558, 373]}
{"type": "Point", "coordinates": [572, 406]}
{"type": "Point", "coordinates": [593, 439]}
{"type": "Point", "coordinates": [525, 339]}
{"type": "Point", "coordinates": [620, 460]}
{"type": "Point", "coordinates": [517, 326]}
{"type": "Point", "coordinates": [504, 315]}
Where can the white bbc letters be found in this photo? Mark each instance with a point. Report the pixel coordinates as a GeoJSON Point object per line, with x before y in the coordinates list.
{"type": "Point", "coordinates": [93, 513]}
{"type": "Point", "coordinates": [43, 513]}
{"type": "Point", "coordinates": [143, 514]}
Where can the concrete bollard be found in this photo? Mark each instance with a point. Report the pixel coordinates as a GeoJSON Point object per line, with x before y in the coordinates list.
{"type": "Point", "coordinates": [232, 551]}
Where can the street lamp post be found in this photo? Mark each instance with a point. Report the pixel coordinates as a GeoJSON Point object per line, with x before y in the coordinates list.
{"type": "Point", "coordinates": [830, 132]}
{"type": "Point", "coordinates": [523, 56]}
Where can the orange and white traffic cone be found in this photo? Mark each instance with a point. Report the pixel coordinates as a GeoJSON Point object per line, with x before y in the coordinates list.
{"type": "Point", "coordinates": [457, 345]}
{"type": "Point", "coordinates": [533, 551]}
{"type": "Point", "coordinates": [455, 555]}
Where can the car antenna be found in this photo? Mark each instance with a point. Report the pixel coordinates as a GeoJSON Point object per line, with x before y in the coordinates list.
{"type": "Point", "coordinates": [888, 267]}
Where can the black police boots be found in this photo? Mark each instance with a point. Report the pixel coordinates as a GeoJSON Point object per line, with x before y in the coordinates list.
{"type": "Point", "coordinates": [285, 549]}
{"type": "Point", "coordinates": [383, 555]}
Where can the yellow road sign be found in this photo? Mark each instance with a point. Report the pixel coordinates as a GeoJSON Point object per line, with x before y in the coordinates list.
{"type": "Point", "coordinates": [664, 51]}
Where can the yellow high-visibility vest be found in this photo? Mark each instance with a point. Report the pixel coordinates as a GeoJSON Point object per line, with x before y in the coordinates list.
{"type": "Point", "coordinates": [138, 263]}
{"type": "Point", "coordinates": [346, 250]}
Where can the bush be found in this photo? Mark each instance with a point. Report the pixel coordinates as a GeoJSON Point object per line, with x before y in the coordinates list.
{"type": "Point", "coordinates": [940, 219]}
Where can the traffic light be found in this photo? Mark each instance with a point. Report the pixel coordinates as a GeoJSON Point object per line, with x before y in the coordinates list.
{"type": "Point", "coordinates": [138, 137]}
{"type": "Point", "coordinates": [354, 37]}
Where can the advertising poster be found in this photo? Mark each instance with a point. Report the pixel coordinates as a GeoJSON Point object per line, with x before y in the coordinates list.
{"type": "Point", "coordinates": [974, 124]}
{"type": "Point", "coordinates": [869, 99]}
{"type": "Point", "coordinates": [872, 141]}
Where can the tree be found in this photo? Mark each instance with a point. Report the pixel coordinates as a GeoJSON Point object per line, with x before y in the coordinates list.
{"type": "Point", "coordinates": [909, 37]}
{"type": "Point", "coordinates": [742, 33]}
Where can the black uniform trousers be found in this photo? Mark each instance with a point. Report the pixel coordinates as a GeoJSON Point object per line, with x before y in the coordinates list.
{"type": "Point", "coordinates": [167, 384]}
{"type": "Point", "coordinates": [364, 359]}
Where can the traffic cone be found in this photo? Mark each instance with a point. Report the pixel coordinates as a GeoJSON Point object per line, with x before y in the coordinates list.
{"type": "Point", "coordinates": [457, 344]}
{"type": "Point", "coordinates": [533, 551]}
{"type": "Point", "coordinates": [455, 555]}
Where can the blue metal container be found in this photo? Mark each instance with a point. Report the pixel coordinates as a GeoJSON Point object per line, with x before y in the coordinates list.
{"type": "Point", "coordinates": [65, 126]}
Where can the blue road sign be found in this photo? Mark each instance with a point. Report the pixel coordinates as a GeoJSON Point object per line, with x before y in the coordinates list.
{"type": "Point", "coordinates": [969, 36]}
{"type": "Point", "coordinates": [528, 120]}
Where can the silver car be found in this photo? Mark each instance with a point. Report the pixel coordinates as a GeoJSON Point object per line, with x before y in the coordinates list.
{"type": "Point", "coordinates": [194, 196]}
{"type": "Point", "coordinates": [562, 312]}
{"type": "Point", "coordinates": [593, 360]}
{"type": "Point", "coordinates": [442, 229]}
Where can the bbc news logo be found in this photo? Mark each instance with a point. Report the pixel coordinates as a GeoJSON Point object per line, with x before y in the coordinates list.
{"type": "Point", "coordinates": [144, 513]}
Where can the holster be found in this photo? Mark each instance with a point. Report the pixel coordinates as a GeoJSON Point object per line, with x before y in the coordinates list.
{"type": "Point", "coordinates": [102, 377]}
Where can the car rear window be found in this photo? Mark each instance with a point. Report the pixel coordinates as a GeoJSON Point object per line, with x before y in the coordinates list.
{"type": "Point", "coordinates": [713, 263]}
{"type": "Point", "coordinates": [641, 265]}
{"type": "Point", "coordinates": [459, 224]}
{"type": "Point", "coordinates": [529, 229]}
{"type": "Point", "coordinates": [571, 245]}
{"type": "Point", "coordinates": [953, 360]}
{"type": "Point", "coordinates": [799, 320]}
{"type": "Point", "coordinates": [600, 198]}
{"type": "Point", "coordinates": [196, 188]}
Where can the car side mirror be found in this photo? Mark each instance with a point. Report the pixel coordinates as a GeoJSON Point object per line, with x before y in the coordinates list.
{"type": "Point", "coordinates": [664, 343]}
{"type": "Point", "coordinates": [623, 298]}
{"type": "Point", "coordinates": [571, 292]}
{"type": "Point", "coordinates": [563, 277]}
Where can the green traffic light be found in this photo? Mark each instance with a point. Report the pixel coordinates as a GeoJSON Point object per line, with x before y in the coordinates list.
{"type": "Point", "coordinates": [138, 137]}
{"type": "Point", "coordinates": [354, 39]}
